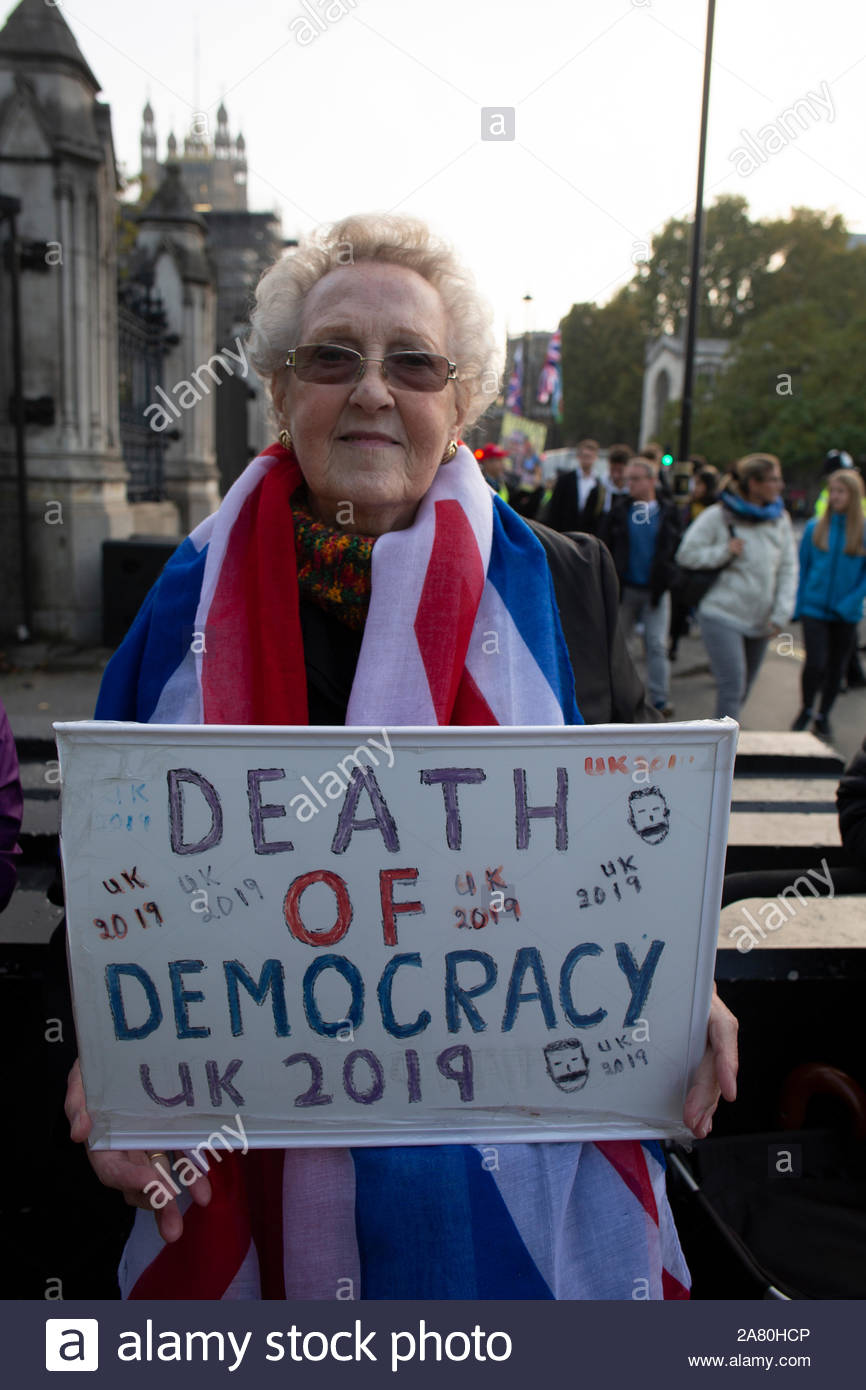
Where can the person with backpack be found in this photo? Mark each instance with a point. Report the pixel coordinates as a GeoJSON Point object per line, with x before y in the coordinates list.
{"type": "Point", "coordinates": [746, 536]}
{"type": "Point", "coordinates": [702, 494]}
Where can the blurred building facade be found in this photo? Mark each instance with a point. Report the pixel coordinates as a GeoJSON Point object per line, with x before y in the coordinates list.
{"type": "Point", "coordinates": [664, 376]}
{"type": "Point", "coordinates": [138, 405]}
{"type": "Point", "coordinates": [57, 159]}
{"type": "Point", "coordinates": [212, 171]}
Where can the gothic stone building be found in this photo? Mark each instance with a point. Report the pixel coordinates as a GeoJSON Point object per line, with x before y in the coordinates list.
{"type": "Point", "coordinates": [97, 342]}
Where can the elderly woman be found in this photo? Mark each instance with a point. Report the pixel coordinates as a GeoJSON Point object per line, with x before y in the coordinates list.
{"type": "Point", "coordinates": [352, 575]}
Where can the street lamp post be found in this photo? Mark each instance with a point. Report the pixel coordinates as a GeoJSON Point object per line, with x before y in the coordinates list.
{"type": "Point", "coordinates": [697, 236]}
{"type": "Point", "coordinates": [525, 401]}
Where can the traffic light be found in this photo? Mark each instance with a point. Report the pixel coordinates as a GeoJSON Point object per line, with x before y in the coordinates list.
{"type": "Point", "coordinates": [667, 460]}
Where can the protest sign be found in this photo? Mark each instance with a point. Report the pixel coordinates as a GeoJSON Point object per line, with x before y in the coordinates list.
{"type": "Point", "coordinates": [349, 936]}
{"type": "Point", "coordinates": [533, 430]}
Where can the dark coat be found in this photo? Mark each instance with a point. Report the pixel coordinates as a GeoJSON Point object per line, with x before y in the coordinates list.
{"type": "Point", "coordinates": [851, 800]}
{"type": "Point", "coordinates": [607, 687]}
{"type": "Point", "coordinates": [616, 537]}
{"type": "Point", "coordinates": [523, 500]}
{"type": "Point", "coordinates": [526, 501]}
{"type": "Point", "coordinates": [563, 512]}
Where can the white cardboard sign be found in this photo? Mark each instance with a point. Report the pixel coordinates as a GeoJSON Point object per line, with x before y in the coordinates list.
{"type": "Point", "coordinates": [403, 936]}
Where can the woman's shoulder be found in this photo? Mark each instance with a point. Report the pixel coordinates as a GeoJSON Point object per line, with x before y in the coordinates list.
{"type": "Point", "coordinates": [710, 518]}
{"type": "Point", "coordinates": [566, 547]}
{"type": "Point", "coordinates": [784, 528]}
{"type": "Point", "coordinates": [579, 564]}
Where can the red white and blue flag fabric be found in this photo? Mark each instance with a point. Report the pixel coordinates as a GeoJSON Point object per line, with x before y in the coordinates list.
{"type": "Point", "coordinates": [539, 1221]}
{"type": "Point", "coordinates": [550, 380]}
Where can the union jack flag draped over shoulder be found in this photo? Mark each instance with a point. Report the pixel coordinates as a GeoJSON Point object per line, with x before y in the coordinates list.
{"type": "Point", "coordinates": [528, 1221]}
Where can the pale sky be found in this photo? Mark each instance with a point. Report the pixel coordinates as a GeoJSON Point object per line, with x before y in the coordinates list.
{"type": "Point", "coordinates": [382, 110]}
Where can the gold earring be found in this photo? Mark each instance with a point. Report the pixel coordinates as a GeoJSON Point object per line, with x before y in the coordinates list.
{"type": "Point", "coordinates": [285, 439]}
{"type": "Point", "coordinates": [450, 451]}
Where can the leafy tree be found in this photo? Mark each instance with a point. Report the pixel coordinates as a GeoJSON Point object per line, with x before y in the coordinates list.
{"type": "Point", "coordinates": [793, 385]}
{"type": "Point", "coordinates": [811, 259]}
{"type": "Point", "coordinates": [736, 259]}
{"type": "Point", "coordinates": [602, 369]}
{"type": "Point", "coordinates": [791, 295]}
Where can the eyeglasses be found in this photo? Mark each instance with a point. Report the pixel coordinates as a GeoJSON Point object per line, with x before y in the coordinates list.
{"type": "Point", "coordinates": [326, 364]}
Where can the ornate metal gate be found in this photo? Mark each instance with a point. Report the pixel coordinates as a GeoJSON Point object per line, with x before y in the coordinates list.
{"type": "Point", "coordinates": [142, 344]}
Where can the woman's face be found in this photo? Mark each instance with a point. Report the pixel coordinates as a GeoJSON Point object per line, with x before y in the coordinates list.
{"type": "Point", "coordinates": [700, 490]}
{"type": "Point", "coordinates": [837, 496]}
{"type": "Point", "coordinates": [766, 489]}
{"type": "Point", "coordinates": [368, 450]}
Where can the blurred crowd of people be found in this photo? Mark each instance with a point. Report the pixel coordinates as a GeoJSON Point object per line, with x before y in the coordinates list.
{"type": "Point", "coordinates": [693, 547]}
{"type": "Point", "coordinates": [689, 546]}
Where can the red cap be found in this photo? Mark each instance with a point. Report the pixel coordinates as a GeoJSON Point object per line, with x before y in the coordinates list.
{"type": "Point", "coordinates": [491, 451]}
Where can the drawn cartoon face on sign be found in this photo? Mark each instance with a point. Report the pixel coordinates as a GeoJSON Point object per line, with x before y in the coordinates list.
{"type": "Point", "coordinates": [567, 1064]}
{"type": "Point", "coordinates": [649, 814]}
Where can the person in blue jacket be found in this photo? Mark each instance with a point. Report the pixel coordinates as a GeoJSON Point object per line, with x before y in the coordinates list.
{"type": "Point", "coordinates": [830, 595]}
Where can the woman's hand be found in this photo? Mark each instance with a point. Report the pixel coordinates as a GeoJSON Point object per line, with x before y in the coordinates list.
{"type": "Point", "coordinates": [735, 545]}
{"type": "Point", "coordinates": [717, 1073]}
{"type": "Point", "coordinates": [129, 1170]}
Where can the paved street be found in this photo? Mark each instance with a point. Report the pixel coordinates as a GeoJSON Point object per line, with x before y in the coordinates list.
{"type": "Point", "coordinates": [47, 683]}
{"type": "Point", "coordinates": [775, 700]}
{"type": "Point", "coordinates": [41, 683]}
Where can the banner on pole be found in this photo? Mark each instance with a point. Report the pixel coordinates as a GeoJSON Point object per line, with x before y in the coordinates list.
{"type": "Point", "coordinates": [517, 428]}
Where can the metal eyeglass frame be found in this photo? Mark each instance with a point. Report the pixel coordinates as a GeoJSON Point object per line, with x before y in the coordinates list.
{"type": "Point", "coordinates": [362, 363]}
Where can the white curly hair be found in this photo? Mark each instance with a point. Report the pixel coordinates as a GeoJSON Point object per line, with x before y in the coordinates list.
{"type": "Point", "coordinates": [275, 321]}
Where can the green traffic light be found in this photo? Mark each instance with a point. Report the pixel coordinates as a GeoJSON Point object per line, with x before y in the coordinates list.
{"type": "Point", "coordinates": [667, 460]}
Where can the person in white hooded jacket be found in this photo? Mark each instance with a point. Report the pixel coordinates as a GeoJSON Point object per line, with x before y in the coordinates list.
{"type": "Point", "coordinates": [748, 532]}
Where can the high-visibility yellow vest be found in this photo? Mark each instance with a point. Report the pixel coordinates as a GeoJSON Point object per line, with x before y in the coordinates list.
{"type": "Point", "coordinates": [823, 502]}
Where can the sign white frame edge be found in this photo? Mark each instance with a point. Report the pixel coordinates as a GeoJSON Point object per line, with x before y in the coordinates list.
{"type": "Point", "coordinates": [722, 733]}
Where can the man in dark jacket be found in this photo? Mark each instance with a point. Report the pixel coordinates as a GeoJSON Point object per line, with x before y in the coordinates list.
{"type": "Point", "coordinates": [642, 534]}
{"type": "Point", "coordinates": [606, 684]}
{"type": "Point", "coordinates": [579, 497]}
